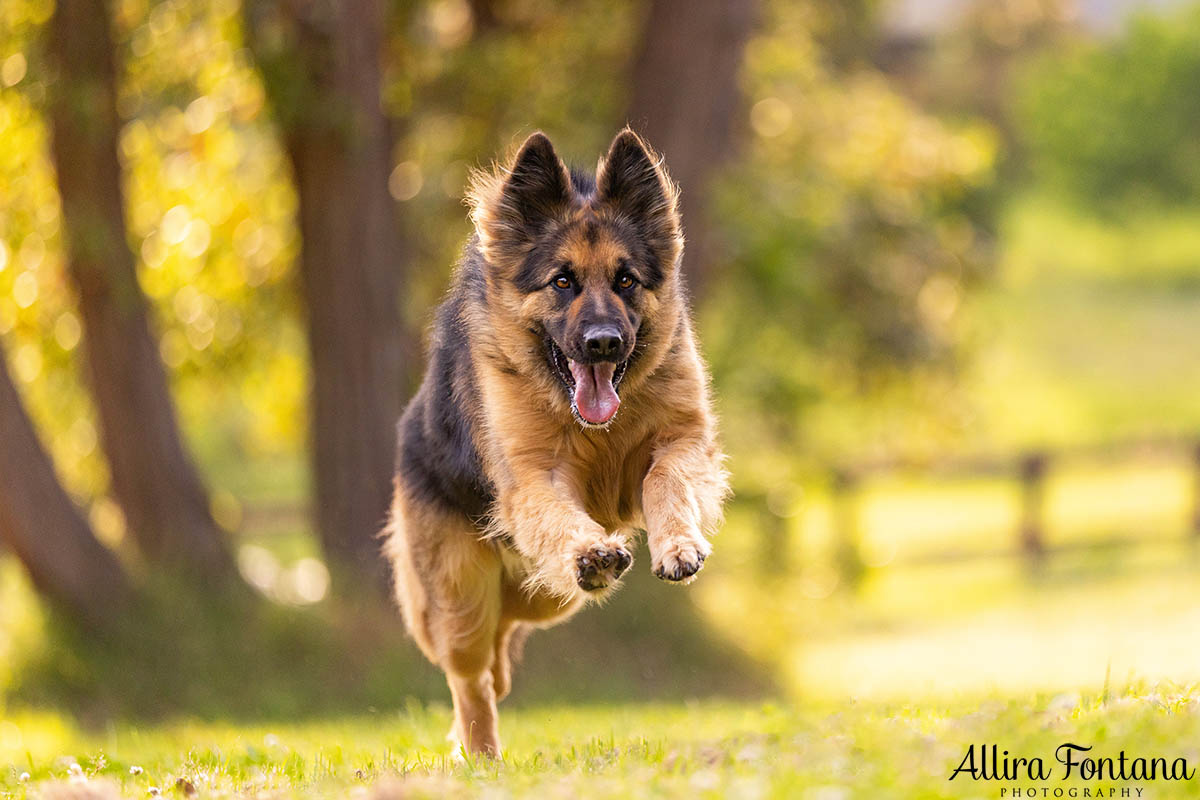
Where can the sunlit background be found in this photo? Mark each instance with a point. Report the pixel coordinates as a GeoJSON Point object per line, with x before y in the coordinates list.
{"type": "Point", "coordinates": [953, 317]}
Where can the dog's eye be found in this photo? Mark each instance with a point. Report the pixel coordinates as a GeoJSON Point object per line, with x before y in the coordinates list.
{"type": "Point", "coordinates": [562, 282]}
{"type": "Point", "coordinates": [625, 281]}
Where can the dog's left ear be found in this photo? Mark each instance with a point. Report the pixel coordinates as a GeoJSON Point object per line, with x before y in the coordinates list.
{"type": "Point", "coordinates": [631, 179]}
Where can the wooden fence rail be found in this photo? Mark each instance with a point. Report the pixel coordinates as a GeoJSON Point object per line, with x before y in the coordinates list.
{"type": "Point", "coordinates": [1029, 468]}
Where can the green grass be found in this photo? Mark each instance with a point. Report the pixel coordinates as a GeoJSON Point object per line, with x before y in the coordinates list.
{"type": "Point", "coordinates": [1086, 334]}
{"type": "Point", "coordinates": [853, 749]}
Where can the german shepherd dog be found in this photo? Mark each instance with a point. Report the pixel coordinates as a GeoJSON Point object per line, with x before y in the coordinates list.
{"type": "Point", "coordinates": [565, 408]}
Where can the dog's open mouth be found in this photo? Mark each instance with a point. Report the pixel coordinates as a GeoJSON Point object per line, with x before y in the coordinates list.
{"type": "Point", "coordinates": [592, 387]}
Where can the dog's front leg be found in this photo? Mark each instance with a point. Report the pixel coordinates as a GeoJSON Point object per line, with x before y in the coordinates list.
{"type": "Point", "coordinates": [550, 527]}
{"type": "Point", "coordinates": [682, 496]}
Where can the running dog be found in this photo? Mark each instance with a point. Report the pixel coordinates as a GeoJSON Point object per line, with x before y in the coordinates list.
{"type": "Point", "coordinates": [565, 409]}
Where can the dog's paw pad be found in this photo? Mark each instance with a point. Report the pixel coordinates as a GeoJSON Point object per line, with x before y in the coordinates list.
{"type": "Point", "coordinates": [600, 566]}
{"type": "Point", "coordinates": [681, 566]}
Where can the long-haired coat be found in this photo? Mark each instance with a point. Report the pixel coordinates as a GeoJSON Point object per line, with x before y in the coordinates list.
{"type": "Point", "coordinates": [565, 408]}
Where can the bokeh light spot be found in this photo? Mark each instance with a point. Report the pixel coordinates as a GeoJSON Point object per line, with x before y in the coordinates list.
{"type": "Point", "coordinates": [197, 238]}
{"type": "Point", "coordinates": [173, 348]}
{"type": "Point", "coordinates": [13, 69]}
{"type": "Point", "coordinates": [27, 363]}
{"type": "Point", "coordinates": [67, 331]}
{"type": "Point", "coordinates": [174, 226]}
{"type": "Point", "coordinates": [770, 117]}
{"type": "Point", "coordinates": [108, 521]}
{"type": "Point", "coordinates": [25, 289]}
{"type": "Point", "coordinates": [33, 251]}
{"type": "Point", "coordinates": [406, 181]}
{"type": "Point", "coordinates": [451, 22]}
{"type": "Point", "coordinates": [310, 580]}
{"type": "Point", "coordinates": [81, 437]}
{"type": "Point", "coordinates": [258, 566]}
{"type": "Point", "coordinates": [199, 115]}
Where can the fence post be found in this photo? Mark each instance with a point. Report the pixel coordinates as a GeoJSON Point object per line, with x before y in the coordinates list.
{"type": "Point", "coordinates": [844, 488]}
{"type": "Point", "coordinates": [1033, 495]}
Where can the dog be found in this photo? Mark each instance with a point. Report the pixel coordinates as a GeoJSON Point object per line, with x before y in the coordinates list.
{"type": "Point", "coordinates": [565, 409]}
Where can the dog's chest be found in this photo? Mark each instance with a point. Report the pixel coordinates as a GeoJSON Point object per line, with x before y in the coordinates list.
{"type": "Point", "coordinates": [607, 475]}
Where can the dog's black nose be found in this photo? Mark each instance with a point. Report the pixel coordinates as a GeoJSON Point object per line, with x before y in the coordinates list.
{"type": "Point", "coordinates": [602, 342]}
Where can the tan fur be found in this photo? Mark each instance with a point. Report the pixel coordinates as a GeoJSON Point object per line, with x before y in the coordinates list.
{"type": "Point", "coordinates": [561, 489]}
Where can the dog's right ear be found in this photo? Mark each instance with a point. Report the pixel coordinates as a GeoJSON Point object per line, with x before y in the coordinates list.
{"type": "Point", "coordinates": [512, 207]}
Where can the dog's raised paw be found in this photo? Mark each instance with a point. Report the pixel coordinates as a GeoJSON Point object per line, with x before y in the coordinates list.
{"type": "Point", "coordinates": [682, 565]}
{"type": "Point", "coordinates": [601, 566]}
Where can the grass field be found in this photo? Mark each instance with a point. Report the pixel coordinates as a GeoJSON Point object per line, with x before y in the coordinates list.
{"type": "Point", "coordinates": [884, 691]}
{"type": "Point", "coordinates": [708, 749]}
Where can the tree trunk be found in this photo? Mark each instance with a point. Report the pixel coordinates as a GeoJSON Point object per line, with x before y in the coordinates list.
{"type": "Point", "coordinates": [324, 79]}
{"type": "Point", "coordinates": [685, 99]}
{"type": "Point", "coordinates": [43, 528]}
{"type": "Point", "coordinates": [165, 504]}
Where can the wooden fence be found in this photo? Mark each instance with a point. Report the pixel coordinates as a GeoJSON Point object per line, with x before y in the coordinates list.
{"type": "Point", "coordinates": [1029, 469]}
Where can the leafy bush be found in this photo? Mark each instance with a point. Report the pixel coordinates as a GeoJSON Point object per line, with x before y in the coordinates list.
{"type": "Point", "coordinates": [1112, 124]}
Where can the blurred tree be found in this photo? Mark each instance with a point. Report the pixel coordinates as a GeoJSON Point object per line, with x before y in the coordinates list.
{"type": "Point", "coordinates": [153, 478]}
{"type": "Point", "coordinates": [321, 61]}
{"type": "Point", "coordinates": [686, 98]}
{"type": "Point", "coordinates": [969, 68]}
{"type": "Point", "coordinates": [44, 529]}
{"type": "Point", "coordinates": [1112, 124]}
{"type": "Point", "coordinates": [995, 38]}
{"type": "Point", "coordinates": [854, 225]}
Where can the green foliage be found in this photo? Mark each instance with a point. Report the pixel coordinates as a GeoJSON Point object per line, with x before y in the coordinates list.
{"type": "Point", "coordinates": [209, 210]}
{"type": "Point", "coordinates": [37, 318]}
{"type": "Point", "coordinates": [854, 226]}
{"type": "Point", "coordinates": [1112, 124]}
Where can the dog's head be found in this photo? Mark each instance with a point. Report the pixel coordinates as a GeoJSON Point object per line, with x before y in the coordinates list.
{"type": "Point", "coordinates": [582, 273]}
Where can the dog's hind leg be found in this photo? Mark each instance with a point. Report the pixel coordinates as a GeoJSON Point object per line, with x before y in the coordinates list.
{"type": "Point", "coordinates": [465, 624]}
{"type": "Point", "coordinates": [468, 658]}
{"type": "Point", "coordinates": [448, 582]}
{"type": "Point", "coordinates": [476, 727]}
{"type": "Point", "coordinates": [510, 641]}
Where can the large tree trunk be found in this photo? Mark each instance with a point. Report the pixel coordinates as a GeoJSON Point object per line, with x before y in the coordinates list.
{"type": "Point", "coordinates": [41, 526]}
{"type": "Point", "coordinates": [323, 75]}
{"type": "Point", "coordinates": [685, 99]}
{"type": "Point", "coordinates": [153, 479]}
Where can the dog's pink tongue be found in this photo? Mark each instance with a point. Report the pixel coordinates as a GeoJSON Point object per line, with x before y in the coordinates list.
{"type": "Point", "coordinates": [595, 398]}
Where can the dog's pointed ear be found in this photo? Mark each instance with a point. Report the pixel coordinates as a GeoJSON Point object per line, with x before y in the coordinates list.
{"type": "Point", "coordinates": [631, 179]}
{"type": "Point", "coordinates": [511, 207]}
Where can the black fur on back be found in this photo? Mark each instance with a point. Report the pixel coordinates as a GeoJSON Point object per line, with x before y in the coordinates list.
{"type": "Point", "coordinates": [438, 461]}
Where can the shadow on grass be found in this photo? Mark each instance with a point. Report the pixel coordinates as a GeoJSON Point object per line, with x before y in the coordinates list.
{"type": "Point", "coordinates": [226, 655]}
{"type": "Point", "coordinates": [230, 655]}
{"type": "Point", "coordinates": [649, 642]}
